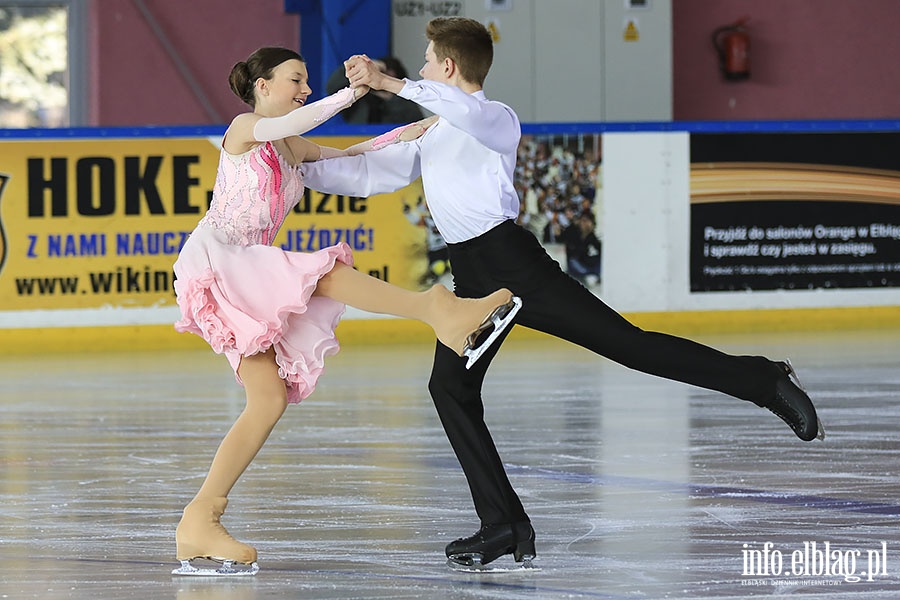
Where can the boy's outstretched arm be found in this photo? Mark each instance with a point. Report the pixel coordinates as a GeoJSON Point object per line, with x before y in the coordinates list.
{"type": "Point", "coordinates": [377, 172]}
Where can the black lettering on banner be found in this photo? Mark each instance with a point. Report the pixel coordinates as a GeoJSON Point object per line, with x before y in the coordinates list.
{"type": "Point", "coordinates": [132, 281]}
{"type": "Point", "coordinates": [182, 182]}
{"type": "Point", "coordinates": [325, 204]}
{"type": "Point", "coordinates": [137, 181]}
{"type": "Point", "coordinates": [381, 273]}
{"type": "Point", "coordinates": [95, 186]}
{"type": "Point", "coordinates": [123, 280]}
{"type": "Point", "coordinates": [104, 202]}
{"type": "Point", "coordinates": [46, 286]}
{"type": "Point", "coordinates": [39, 184]}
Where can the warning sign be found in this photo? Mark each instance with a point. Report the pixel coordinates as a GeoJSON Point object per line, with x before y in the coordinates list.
{"type": "Point", "coordinates": [631, 33]}
{"type": "Point", "coordinates": [494, 28]}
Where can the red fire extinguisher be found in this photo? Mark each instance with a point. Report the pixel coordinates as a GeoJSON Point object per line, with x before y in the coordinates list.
{"type": "Point", "coordinates": [732, 43]}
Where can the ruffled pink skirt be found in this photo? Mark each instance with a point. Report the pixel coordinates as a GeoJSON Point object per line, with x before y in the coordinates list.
{"type": "Point", "coordinates": [246, 299]}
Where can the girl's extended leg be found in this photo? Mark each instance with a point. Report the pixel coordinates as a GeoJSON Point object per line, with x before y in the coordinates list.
{"type": "Point", "coordinates": [453, 319]}
{"type": "Point", "coordinates": [199, 533]}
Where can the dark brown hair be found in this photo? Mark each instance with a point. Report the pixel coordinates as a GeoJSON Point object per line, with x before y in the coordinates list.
{"type": "Point", "coordinates": [467, 42]}
{"type": "Point", "coordinates": [259, 64]}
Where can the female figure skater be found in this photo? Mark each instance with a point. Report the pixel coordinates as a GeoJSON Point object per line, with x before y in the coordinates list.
{"type": "Point", "coordinates": [272, 312]}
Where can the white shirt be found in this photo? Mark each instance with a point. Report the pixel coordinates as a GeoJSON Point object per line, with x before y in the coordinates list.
{"type": "Point", "coordinates": [466, 161]}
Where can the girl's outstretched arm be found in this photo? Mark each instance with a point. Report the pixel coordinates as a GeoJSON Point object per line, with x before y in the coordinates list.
{"type": "Point", "coordinates": [404, 133]}
{"type": "Point", "coordinates": [300, 120]}
{"type": "Point", "coordinates": [250, 129]}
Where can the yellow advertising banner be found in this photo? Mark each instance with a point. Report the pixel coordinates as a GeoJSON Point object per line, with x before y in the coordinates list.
{"type": "Point", "coordinates": [94, 223]}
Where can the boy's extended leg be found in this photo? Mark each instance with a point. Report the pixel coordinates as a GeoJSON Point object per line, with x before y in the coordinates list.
{"type": "Point", "coordinates": [557, 304]}
{"type": "Point", "coordinates": [567, 310]}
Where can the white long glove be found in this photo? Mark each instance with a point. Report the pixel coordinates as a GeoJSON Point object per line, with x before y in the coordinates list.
{"type": "Point", "coordinates": [302, 119]}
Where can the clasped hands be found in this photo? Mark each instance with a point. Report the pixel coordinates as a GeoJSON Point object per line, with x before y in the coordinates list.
{"type": "Point", "coordinates": [362, 71]}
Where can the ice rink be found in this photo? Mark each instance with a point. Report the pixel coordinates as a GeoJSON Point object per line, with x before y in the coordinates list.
{"type": "Point", "coordinates": [637, 487]}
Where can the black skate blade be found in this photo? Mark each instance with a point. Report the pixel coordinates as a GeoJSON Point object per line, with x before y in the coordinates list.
{"type": "Point", "coordinates": [224, 569]}
{"type": "Point", "coordinates": [472, 564]}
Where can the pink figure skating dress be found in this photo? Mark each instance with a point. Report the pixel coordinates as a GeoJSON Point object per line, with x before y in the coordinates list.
{"type": "Point", "coordinates": [243, 295]}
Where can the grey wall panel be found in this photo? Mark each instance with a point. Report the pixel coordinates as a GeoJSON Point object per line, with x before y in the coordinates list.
{"type": "Point", "coordinates": [558, 61]}
{"type": "Point", "coordinates": [569, 62]}
{"type": "Point", "coordinates": [638, 76]}
{"type": "Point", "coordinates": [511, 79]}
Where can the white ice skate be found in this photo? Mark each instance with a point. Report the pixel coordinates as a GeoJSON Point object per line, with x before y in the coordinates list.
{"type": "Point", "coordinates": [227, 569]}
{"type": "Point", "coordinates": [497, 322]}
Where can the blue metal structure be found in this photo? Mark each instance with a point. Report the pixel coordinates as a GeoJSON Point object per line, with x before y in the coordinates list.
{"type": "Point", "coordinates": [333, 30]}
{"type": "Point", "coordinates": [337, 128]}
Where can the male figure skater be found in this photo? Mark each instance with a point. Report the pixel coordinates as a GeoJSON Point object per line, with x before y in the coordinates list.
{"type": "Point", "coordinates": [466, 161]}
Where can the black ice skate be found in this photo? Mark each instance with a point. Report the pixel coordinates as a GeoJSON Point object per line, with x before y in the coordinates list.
{"type": "Point", "coordinates": [496, 323]}
{"type": "Point", "coordinates": [489, 543]}
{"type": "Point", "coordinates": [793, 405]}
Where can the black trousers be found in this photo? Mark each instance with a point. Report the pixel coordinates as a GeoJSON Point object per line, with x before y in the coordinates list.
{"type": "Point", "coordinates": [510, 256]}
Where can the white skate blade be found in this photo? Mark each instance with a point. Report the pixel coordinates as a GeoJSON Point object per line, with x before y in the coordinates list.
{"type": "Point", "coordinates": [476, 567]}
{"type": "Point", "coordinates": [225, 570]}
{"type": "Point", "coordinates": [500, 319]}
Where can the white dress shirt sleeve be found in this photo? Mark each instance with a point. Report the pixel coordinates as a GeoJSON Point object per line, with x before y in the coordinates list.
{"type": "Point", "coordinates": [493, 124]}
{"type": "Point", "coordinates": [376, 172]}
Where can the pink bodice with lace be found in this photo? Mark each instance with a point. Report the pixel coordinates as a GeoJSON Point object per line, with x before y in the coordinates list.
{"type": "Point", "coordinates": [253, 193]}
